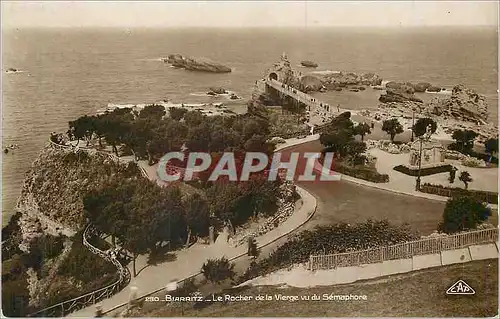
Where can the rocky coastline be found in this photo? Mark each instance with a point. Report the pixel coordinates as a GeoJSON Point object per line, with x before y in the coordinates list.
{"type": "Point", "coordinates": [464, 109]}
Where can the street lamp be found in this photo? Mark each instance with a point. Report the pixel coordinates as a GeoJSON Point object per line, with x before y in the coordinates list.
{"type": "Point", "coordinates": [423, 137]}
{"type": "Point", "coordinates": [412, 122]}
{"type": "Point", "coordinates": [417, 185]}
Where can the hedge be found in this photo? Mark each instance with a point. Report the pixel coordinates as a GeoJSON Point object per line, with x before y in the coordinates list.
{"type": "Point", "coordinates": [362, 172]}
{"type": "Point", "coordinates": [331, 239]}
{"type": "Point", "coordinates": [484, 196]}
{"type": "Point", "coordinates": [483, 156]}
{"type": "Point", "coordinates": [424, 171]}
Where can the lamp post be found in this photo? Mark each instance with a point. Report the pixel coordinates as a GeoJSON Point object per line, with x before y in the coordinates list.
{"type": "Point", "coordinates": [412, 122]}
{"type": "Point", "coordinates": [417, 185]}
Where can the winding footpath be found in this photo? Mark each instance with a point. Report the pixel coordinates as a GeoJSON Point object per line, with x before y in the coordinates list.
{"type": "Point", "coordinates": [65, 307]}
{"type": "Point", "coordinates": [349, 200]}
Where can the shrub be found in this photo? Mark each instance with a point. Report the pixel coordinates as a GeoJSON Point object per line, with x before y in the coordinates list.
{"type": "Point", "coordinates": [338, 238]}
{"type": "Point", "coordinates": [362, 172]}
{"type": "Point", "coordinates": [83, 265]}
{"type": "Point", "coordinates": [465, 178]}
{"type": "Point", "coordinates": [484, 196]}
{"type": "Point", "coordinates": [472, 162]}
{"type": "Point", "coordinates": [462, 213]}
{"type": "Point", "coordinates": [15, 297]}
{"type": "Point", "coordinates": [188, 287]}
{"type": "Point", "coordinates": [482, 156]}
{"type": "Point", "coordinates": [218, 270]}
{"type": "Point", "coordinates": [424, 171]}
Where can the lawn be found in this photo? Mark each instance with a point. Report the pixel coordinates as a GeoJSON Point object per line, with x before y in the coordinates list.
{"type": "Point", "coordinates": [418, 294]}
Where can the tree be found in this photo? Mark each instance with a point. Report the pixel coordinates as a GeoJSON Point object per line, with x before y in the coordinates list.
{"type": "Point", "coordinates": [105, 207]}
{"type": "Point", "coordinates": [81, 128]}
{"type": "Point", "coordinates": [465, 178]}
{"type": "Point", "coordinates": [362, 129]}
{"type": "Point", "coordinates": [218, 270]}
{"type": "Point", "coordinates": [464, 139]}
{"type": "Point", "coordinates": [392, 127]}
{"type": "Point", "coordinates": [116, 132]}
{"type": "Point", "coordinates": [194, 118]}
{"type": "Point", "coordinates": [177, 113]}
{"type": "Point", "coordinates": [491, 147]}
{"type": "Point", "coordinates": [420, 127]}
{"type": "Point", "coordinates": [99, 127]}
{"type": "Point", "coordinates": [153, 112]}
{"type": "Point", "coordinates": [462, 213]}
{"type": "Point", "coordinates": [224, 199]}
{"type": "Point", "coordinates": [354, 149]}
{"type": "Point", "coordinates": [337, 141]}
{"type": "Point", "coordinates": [197, 216]}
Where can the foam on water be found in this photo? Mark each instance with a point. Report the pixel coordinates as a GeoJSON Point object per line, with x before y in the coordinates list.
{"type": "Point", "coordinates": [326, 72]}
{"type": "Point", "coordinates": [443, 92]}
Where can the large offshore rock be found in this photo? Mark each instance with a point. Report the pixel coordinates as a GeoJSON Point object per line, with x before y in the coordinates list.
{"type": "Point", "coordinates": [196, 64]}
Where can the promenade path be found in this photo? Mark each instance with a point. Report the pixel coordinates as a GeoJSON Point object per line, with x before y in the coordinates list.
{"type": "Point", "coordinates": [189, 261]}
{"type": "Point", "coordinates": [299, 276]}
{"type": "Point", "coordinates": [342, 201]}
{"type": "Point", "coordinates": [320, 112]}
{"type": "Point", "coordinates": [309, 101]}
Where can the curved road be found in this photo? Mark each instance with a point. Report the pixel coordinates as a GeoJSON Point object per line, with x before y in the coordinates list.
{"type": "Point", "coordinates": [342, 201]}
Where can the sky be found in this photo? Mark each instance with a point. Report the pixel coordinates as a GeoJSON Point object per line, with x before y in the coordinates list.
{"type": "Point", "coordinates": [18, 14]}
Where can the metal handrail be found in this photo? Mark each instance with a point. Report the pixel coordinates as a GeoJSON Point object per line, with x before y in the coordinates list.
{"type": "Point", "coordinates": [65, 307]}
{"type": "Point", "coordinates": [434, 245]}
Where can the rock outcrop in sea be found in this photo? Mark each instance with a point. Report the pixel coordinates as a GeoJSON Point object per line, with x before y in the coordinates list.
{"type": "Point", "coordinates": [398, 92]}
{"type": "Point", "coordinates": [464, 104]}
{"type": "Point", "coordinates": [196, 64]}
{"type": "Point", "coordinates": [336, 80]}
{"type": "Point", "coordinates": [310, 83]}
{"type": "Point", "coordinates": [216, 91]}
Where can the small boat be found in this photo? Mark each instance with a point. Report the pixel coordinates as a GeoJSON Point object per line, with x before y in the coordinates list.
{"type": "Point", "coordinates": [12, 70]}
{"type": "Point", "coordinates": [309, 64]}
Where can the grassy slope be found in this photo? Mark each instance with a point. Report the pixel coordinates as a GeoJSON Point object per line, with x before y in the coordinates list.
{"type": "Point", "coordinates": [418, 294]}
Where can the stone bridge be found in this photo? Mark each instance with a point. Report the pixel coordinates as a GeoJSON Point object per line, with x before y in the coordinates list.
{"type": "Point", "coordinates": [278, 78]}
{"type": "Point", "coordinates": [310, 102]}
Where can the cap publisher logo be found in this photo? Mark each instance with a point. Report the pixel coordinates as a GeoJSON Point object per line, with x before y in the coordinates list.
{"type": "Point", "coordinates": [460, 288]}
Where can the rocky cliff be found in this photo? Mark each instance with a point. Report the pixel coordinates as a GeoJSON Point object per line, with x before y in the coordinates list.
{"type": "Point", "coordinates": [53, 189]}
{"type": "Point", "coordinates": [196, 64]}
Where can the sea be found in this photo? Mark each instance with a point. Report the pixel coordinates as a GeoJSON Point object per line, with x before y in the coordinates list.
{"type": "Point", "coordinates": [69, 72]}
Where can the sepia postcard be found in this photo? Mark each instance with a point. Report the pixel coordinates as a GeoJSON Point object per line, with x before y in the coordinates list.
{"type": "Point", "coordinates": [249, 159]}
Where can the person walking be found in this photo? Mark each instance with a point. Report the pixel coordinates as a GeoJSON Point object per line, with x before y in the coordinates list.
{"type": "Point", "coordinates": [338, 107]}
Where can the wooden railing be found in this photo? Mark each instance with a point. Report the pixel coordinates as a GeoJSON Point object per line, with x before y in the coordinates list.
{"type": "Point", "coordinates": [426, 246]}
{"type": "Point", "coordinates": [112, 156]}
{"type": "Point", "coordinates": [63, 308]}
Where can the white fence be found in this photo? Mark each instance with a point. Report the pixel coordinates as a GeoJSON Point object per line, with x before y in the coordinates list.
{"type": "Point", "coordinates": [426, 246]}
